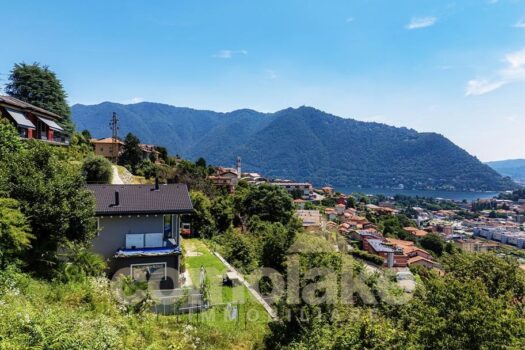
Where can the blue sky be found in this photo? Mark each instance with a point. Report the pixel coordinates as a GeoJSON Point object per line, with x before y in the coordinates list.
{"type": "Point", "coordinates": [453, 67]}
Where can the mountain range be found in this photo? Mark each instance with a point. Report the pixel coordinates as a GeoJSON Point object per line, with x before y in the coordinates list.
{"type": "Point", "coordinates": [513, 168]}
{"type": "Point", "coordinates": [304, 144]}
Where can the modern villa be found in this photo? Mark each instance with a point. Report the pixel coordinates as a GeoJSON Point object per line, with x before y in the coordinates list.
{"type": "Point", "coordinates": [33, 122]}
{"type": "Point", "coordinates": [139, 230]}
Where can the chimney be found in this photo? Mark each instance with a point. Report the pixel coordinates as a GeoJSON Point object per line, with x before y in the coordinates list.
{"type": "Point", "coordinates": [117, 199]}
{"type": "Point", "coordinates": [157, 184]}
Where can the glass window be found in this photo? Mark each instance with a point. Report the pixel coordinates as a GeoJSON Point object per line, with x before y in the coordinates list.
{"type": "Point", "coordinates": [22, 132]}
{"type": "Point", "coordinates": [144, 272]}
{"type": "Point", "coordinates": [168, 226]}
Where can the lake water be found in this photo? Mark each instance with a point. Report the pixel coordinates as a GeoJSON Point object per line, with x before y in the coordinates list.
{"type": "Point", "coordinates": [453, 195]}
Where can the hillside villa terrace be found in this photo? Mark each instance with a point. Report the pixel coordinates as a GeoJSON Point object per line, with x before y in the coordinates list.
{"type": "Point", "coordinates": [33, 122]}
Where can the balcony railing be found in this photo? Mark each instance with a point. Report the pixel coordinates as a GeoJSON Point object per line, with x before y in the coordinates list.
{"type": "Point", "coordinates": [148, 244]}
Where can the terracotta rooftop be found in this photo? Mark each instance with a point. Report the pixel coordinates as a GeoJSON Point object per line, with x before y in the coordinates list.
{"type": "Point", "coordinates": [107, 140]}
{"type": "Point", "coordinates": [415, 231]}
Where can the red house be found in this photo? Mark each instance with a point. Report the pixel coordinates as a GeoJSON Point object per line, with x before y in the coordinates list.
{"type": "Point", "coordinates": [33, 122]}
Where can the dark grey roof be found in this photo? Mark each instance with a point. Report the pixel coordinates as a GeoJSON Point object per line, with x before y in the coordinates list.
{"type": "Point", "coordinates": [141, 199]}
{"type": "Point", "coordinates": [11, 101]}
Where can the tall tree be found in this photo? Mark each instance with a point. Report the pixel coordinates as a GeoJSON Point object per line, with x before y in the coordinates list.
{"type": "Point", "coordinates": [268, 202]}
{"type": "Point", "coordinates": [53, 197]}
{"type": "Point", "coordinates": [38, 85]}
{"type": "Point", "coordinates": [222, 211]}
{"type": "Point", "coordinates": [433, 242]}
{"type": "Point", "coordinates": [202, 221]}
{"type": "Point", "coordinates": [132, 155]}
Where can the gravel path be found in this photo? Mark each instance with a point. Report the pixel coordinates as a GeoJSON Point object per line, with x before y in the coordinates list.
{"type": "Point", "coordinates": [116, 180]}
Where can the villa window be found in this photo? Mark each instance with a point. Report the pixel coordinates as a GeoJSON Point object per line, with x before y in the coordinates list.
{"type": "Point", "coordinates": [144, 240]}
{"type": "Point", "coordinates": [144, 272]}
{"type": "Point", "coordinates": [23, 132]}
{"type": "Point", "coordinates": [168, 226]}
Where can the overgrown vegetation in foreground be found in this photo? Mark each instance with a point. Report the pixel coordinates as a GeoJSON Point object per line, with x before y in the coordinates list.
{"type": "Point", "coordinates": [38, 314]}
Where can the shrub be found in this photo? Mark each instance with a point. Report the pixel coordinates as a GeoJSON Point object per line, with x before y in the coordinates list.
{"type": "Point", "coordinates": [79, 264]}
{"type": "Point", "coordinates": [15, 235]}
{"type": "Point", "coordinates": [434, 243]}
{"type": "Point", "coordinates": [375, 259]}
{"type": "Point", "coordinates": [240, 251]}
{"type": "Point", "coordinates": [147, 169]}
{"type": "Point", "coordinates": [97, 169]}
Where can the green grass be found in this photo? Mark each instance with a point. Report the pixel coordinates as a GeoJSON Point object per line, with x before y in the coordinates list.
{"type": "Point", "coordinates": [252, 320]}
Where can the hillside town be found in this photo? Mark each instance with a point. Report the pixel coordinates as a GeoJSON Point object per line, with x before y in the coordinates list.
{"type": "Point", "coordinates": [481, 226]}
{"type": "Point", "coordinates": [158, 249]}
{"type": "Point", "coordinates": [485, 225]}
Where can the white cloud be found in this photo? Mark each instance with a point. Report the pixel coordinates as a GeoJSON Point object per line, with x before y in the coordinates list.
{"type": "Point", "coordinates": [520, 24]}
{"type": "Point", "coordinates": [482, 86]}
{"type": "Point", "coordinates": [421, 22]}
{"type": "Point", "coordinates": [513, 72]}
{"type": "Point", "coordinates": [227, 54]}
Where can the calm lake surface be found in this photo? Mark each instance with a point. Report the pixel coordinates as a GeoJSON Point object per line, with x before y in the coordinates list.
{"type": "Point", "coordinates": [457, 196]}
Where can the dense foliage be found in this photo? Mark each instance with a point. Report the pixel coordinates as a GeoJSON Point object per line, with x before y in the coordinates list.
{"type": "Point", "coordinates": [15, 236]}
{"type": "Point", "coordinates": [254, 227]}
{"type": "Point", "coordinates": [132, 154]}
{"type": "Point", "coordinates": [97, 170]}
{"type": "Point", "coordinates": [425, 203]}
{"type": "Point", "coordinates": [393, 225]}
{"type": "Point", "coordinates": [303, 144]}
{"type": "Point", "coordinates": [476, 304]}
{"type": "Point", "coordinates": [84, 314]}
{"type": "Point", "coordinates": [40, 86]}
{"type": "Point", "coordinates": [434, 243]}
{"type": "Point", "coordinates": [375, 259]}
{"type": "Point", "coordinates": [52, 196]}
{"type": "Point", "coordinates": [514, 196]}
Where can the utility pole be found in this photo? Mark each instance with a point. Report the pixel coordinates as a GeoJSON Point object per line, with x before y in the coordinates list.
{"type": "Point", "coordinates": [113, 125]}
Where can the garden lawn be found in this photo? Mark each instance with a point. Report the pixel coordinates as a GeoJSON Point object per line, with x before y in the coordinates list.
{"type": "Point", "coordinates": [252, 319]}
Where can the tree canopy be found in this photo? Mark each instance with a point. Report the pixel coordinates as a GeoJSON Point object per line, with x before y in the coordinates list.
{"type": "Point", "coordinates": [132, 154]}
{"type": "Point", "coordinates": [268, 202]}
{"type": "Point", "coordinates": [38, 85]}
{"type": "Point", "coordinates": [52, 196]}
{"type": "Point", "coordinates": [97, 169]}
{"type": "Point", "coordinates": [434, 243]}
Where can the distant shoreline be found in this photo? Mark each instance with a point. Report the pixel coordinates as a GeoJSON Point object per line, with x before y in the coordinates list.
{"type": "Point", "coordinates": [451, 195]}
